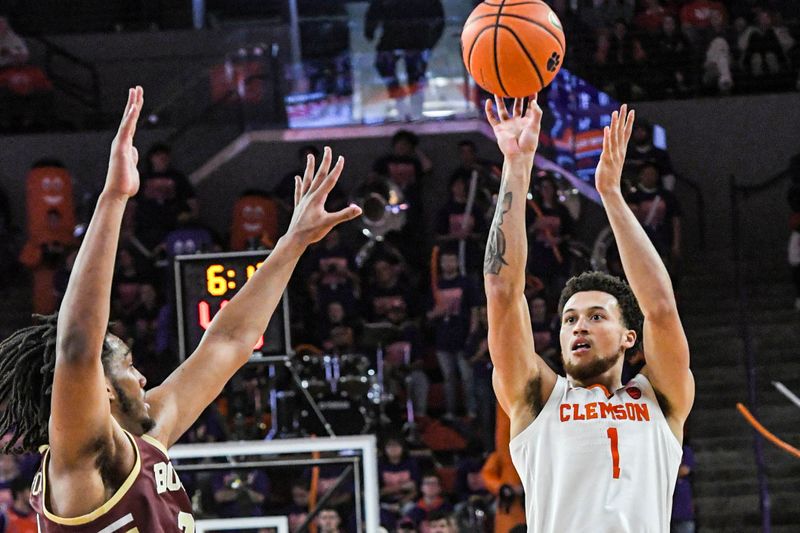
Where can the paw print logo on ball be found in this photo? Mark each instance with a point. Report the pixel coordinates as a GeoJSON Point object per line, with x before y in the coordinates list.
{"type": "Point", "coordinates": [553, 62]}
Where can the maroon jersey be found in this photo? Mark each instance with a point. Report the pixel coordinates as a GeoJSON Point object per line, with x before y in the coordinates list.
{"type": "Point", "coordinates": [150, 500]}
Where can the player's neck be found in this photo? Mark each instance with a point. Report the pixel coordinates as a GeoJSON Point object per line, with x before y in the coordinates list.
{"type": "Point", "coordinates": [127, 424]}
{"type": "Point", "coordinates": [610, 380]}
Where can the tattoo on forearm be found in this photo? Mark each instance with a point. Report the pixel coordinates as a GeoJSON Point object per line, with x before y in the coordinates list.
{"type": "Point", "coordinates": [494, 259]}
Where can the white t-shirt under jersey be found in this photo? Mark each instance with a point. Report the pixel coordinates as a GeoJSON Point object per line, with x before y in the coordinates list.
{"type": "Point", "coordinates": [596, 462]}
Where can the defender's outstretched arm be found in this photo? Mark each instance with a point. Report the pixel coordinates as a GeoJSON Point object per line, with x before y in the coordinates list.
{"type": "Point", "coordinates": [80, 419]}
{"type": "Point", "coordinates": [665, 347]}
{"type": "Point", "coordinates": [229, 340]}
{"type": "Point", "coordinates": [522, 380]}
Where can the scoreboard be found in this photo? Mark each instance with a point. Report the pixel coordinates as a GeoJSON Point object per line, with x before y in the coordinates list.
{"type": "Point", "coordinates": [205, 283]}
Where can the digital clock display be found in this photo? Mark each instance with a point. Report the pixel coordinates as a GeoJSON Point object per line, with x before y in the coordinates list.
{"type": "Point", "coordinates": [205, 283]}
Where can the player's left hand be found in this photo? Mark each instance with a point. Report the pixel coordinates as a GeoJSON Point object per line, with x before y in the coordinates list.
{"type": "Point", "coordinates": [310, 222]}
{"type": "Point", "coordinates": [615, 145]}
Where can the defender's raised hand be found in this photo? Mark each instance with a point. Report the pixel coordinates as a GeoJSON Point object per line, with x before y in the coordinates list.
{"type": "Point", "coordinates": [123, 177]}
{"type": "Point", "coordinates": [310, 222]}
{"type": "Point", "coordinates": [615, 145]}
{"type": "Point", "coordinates": [517, 134]}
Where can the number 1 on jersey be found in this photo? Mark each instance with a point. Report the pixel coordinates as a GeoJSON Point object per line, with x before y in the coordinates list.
{"type": "Point", "coordinates": [612, 434]}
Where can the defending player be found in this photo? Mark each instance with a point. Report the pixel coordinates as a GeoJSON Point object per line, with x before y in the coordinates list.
{"type": "Point", "coordinates": [75, 388]}
{"type": "Point", "coordinates": [592, 454]}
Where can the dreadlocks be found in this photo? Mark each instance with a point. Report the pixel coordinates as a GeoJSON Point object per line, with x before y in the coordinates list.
{"type": "Point", "coordinates": [27, 367]}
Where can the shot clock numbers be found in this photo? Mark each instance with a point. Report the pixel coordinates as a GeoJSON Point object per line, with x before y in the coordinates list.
{"type": "Point", "coordinates": [205, 283]}
{"type": "Point", "coordinates": [220, 280]}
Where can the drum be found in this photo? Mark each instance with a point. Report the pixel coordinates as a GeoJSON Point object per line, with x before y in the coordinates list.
{"type": "Point", "coordinates": [315, 374]}
{"type": "Point", "coordinates": [346, 415]}
{"type": "Point", "coordinates": [355, 376]}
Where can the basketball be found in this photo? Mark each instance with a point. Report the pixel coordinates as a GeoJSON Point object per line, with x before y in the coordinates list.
{"type": "Point", "coordinates": [513, 49]}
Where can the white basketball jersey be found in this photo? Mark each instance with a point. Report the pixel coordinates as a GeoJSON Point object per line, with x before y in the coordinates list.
{"type": "Point", "coordinates": [596, 462]}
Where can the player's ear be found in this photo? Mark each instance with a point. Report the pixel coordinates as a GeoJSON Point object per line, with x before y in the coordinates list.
{"type": "Point", "coordinates": [112, 396]}
{"type": "Point", "coordinates": [629, 339]}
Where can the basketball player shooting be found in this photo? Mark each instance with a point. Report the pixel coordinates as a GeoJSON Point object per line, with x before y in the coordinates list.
{"type": "Point", "coordinates": [591, 453]}
{"type": "Point", "coordinates": [72, 385]}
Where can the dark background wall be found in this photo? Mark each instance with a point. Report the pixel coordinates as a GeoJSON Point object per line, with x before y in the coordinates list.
{"type": "Point", "coordinates": [749, 137]}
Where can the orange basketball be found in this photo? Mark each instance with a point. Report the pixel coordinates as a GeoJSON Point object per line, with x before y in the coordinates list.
{"type": "Point", "coordinates": [513, 48]}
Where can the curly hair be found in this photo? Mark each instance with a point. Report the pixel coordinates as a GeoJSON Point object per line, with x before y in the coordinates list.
{"type": "Point", "coordinates": [27, 368]}
{"type": "Point", "coordinates": [632, 317]}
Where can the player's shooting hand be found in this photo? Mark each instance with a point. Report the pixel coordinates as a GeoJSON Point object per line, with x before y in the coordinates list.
{"type": "Point", "coordinates": [123, 177]}
{"type": "Point", "coordinates": [517, 134]}
{"type": "Point", "coordinates": [310, 222]}
{"type": "Point", "coordinates": [615, 145]}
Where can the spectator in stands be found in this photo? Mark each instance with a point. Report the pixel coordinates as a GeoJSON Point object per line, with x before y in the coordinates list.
{"type": "Point", "coordinates": [432, 500]}
{"type": "Point", "coordinates": [682, 500]}
{"type": "Point", "coordinates": [650, 17]}
{"type": "Point", "coordinates": [210, 427]}
{"type": "Point", "coordinates": [643, 151]}
{"type": "Point", "coordinates": [19, 517]}
{"type": "Point", "coordinates": [763, 54]}
{"type": "Point", "coordinates": [659, 213]}
{"type": "Point", "coordinates": [405, 167]}
{"type": "Point", "coordinates": [488, 171]}
{"type": "Point", "coordinates": [545, 333]}
{"type": "Point", "coordinates": [551, 228]}
{"type": "Point", "coordinates": [454, 223]}
{"type": "Point", "coordinates": [621, 60]}
{"type": "Point", "coordinates": [343, 340]}
{"type": "Point", "coordinates": [673, 55]}
{"type": "Point", "coordinates": [399, 477]}
{"type": "Point", "coordinates": [405, 149]}
{"type": "Point", "coordinates": [26, 93]}
{"type": "Point", "coordinates": [297, 511]}
{"type": "Point", "coordinates": [793, 197]}
{"type": "Point", "coordinates": [452, 220]}
{"type": "Point", "coordinates": [743, 8]}
{"type": "Point", "coordinates": [333, 277]}
{"type": "Point", "coordinates": [385, 285]}
{"type": "Point", "coordinates": [328, 520]}
{"type": "Point", "coordinates": [696, 16]}
{"type": "Point", "coordinates": [717, 66]}
{"type": "Point", "coordinates": [470, 489]}
{"type": "Point", "coordinates": [597, 14]}
{"type": "Point", "coordinates": [440, 521]}
{"type": "Point", "coordinates": [410, 30]}
{"type": "Point", "coordinates": [165, 197]}
{"type": "Point", "coordinates": [468, 160]}
{"type": "Point", "coordinates": [334, 316]}
{"type": "Point", "coordinates": [406, 525]}
{"type": "Point", "coordinates": [477, 353]}
{"type": "Point", "coordinates": [452, 314]}
{"type": "Point", "coordinates": [502, 480]}
{"type": "Point", "coordinates": [404, 360]}
{"type": "Point", "coordinates": [13, 50]}
{"type": "Point", "coordinates": [240, 493]}
{"type": "Point", "coordinates": [325, 45]}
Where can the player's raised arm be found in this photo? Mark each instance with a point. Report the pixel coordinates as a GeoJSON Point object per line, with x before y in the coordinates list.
{"type": "Point", "coordinates": [229, 340]}
{"type": "Point", "coordinates": [80, 418]}
{"type": "Point", "coordinates": [665, 347]}
{"type": "Point", "coordinates": [522, 380]}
